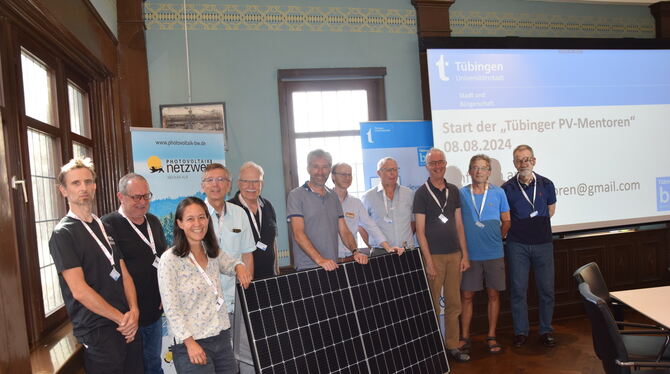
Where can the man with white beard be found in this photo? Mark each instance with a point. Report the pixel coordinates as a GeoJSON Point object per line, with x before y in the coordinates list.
{"type": "Point", "coordinates": [532, 201]}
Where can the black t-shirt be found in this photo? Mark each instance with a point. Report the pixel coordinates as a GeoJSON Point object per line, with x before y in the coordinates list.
{"type": "Point", "coordinates": [139, 260]}
{"type": "Point", "coordinates": [442, 237]}
{"type": "Point", "coordinates": [264, 260]}
{"type": "Point", "coordinates": [72, 246]}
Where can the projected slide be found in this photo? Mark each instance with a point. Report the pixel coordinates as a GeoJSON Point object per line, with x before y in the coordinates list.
{"type": "Point", "coordinates": [598, 120]}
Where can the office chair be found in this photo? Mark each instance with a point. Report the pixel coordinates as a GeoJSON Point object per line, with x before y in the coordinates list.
{"type": "Point", "coordinates": [609, 345]}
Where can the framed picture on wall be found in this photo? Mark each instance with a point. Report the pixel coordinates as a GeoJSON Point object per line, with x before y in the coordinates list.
{"type": "Point", "coordinates": [204, 116]}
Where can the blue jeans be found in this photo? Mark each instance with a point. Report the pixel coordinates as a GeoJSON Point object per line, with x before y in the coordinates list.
{"type": "Point", "coordinates": [152, 337]}
{"type": "Point", "coordinates": [219, 353]}
{"type": "Point", "coordinates": [520, 259]}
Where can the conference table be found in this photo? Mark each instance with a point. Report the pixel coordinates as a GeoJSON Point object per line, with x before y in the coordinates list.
{"type": "Point", "coordinates": [652, 302]}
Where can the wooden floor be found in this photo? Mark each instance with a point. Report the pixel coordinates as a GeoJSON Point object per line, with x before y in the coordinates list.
{"type": "Point", "coordinates": [572, 355]}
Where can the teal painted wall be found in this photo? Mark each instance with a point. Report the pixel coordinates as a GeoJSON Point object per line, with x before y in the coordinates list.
{"type": "Point", "coordinates": [236, 48]}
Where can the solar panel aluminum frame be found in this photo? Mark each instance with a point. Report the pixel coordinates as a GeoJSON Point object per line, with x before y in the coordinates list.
{"type": "Point", "coordinates": [374, 318]}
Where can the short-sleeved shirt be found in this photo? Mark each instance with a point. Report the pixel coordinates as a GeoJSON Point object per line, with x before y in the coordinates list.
{"type": "Point", "coordinates": [235, 237]}
{"type": "Point", "coordinates": [442, 237]}
{"type": "Point", "coordinates": [139, 260]}
{"type": "Point", "coordinates": [526, 229]}
{"type": "Point", "coordinates": [264, 259]}
{"type": "Point", "coordinates": [394, 217]}
{"type": "Point", "coordinates": [321, 215]}
{"type": "Point", "coordinates": [72, 246]}
{"type": "Point", "coordinates": [484, 243]}
{"type": "Point", "coordinates": [356, 215]}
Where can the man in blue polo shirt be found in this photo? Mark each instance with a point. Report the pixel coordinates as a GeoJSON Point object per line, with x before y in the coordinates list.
{"type": "Point", "coordinates": [316, 218]}
{"type": "Point", "coordinates": [532, 201]}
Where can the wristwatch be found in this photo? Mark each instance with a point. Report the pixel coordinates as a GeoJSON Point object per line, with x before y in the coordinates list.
{"type": "Point", "coordinates": [353, 251]}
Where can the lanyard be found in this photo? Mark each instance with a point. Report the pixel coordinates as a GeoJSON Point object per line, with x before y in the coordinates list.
{"type": "Point", "coordinates": [104, 249]}
{"type": "Point", "coordinates": [532, 203]}
{"type": "Point", "coordinates": [150, 242]}
{"type": "Point", "coordinates": [474, 204]}
{"type": "Point", "coordinates": [204, 275]}
{"type": "Point", "coordinates": [259, 224]}
{"type": "Point", "coordinates": [386, 203]}
{"type": "Point", "coordinates": [446, 196]}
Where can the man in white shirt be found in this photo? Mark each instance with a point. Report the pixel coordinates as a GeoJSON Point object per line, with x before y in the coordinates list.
{"type": "Point", "coordinates": [355, 215]}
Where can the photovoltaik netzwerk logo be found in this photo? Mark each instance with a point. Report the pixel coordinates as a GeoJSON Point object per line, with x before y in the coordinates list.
{"type": "Point", "coordinates": [155, 164]}
{"type": "Point", "coordinates": [662, 193]}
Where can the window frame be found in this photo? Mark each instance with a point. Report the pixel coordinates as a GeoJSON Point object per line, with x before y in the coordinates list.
{"type": "Point", "coordinates": [370, 79]}
{"type": "Point", "coordinates": [61, 71]}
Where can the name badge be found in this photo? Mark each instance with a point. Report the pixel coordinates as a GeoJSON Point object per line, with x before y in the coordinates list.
{"type": "Point", "coordinates": [262, 246]}
{"type": "Point", "coordinates": [114, 274]}
{"type": "Point", "coordinates": [479, 224]}
{"type": "Point", "coordinates": [443, 218]}
{"type": "Point", "coordinates": [156, 263]}
{"type": "Point", "coordinates": [351, 215]}
{"type": "Point", "coordinates": [219, 303]}
{"type": "Point", "coordinates": [533, 214]}
{"type": "Point", "coordinates": [388, 219]}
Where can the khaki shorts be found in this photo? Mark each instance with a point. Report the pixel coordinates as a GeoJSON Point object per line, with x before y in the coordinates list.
{"type": "Point", "coordinates": [488, 272]}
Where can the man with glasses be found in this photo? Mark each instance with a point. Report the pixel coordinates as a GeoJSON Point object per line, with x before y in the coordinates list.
{"type": "Point", "coordinates": [390, 205]}
{"type": "Point", "coordinates": [439, 230]}
{"type": "Point", "coordinates": [532, 201]}
{"type": "Point", "coordinates": [317, 220]}
{"type": "Point", "coordinates": [139, 236]}
{"type": "Point", "coordinates": [355, 215]}
{"type": "Point", "coordinates": [486, 221]}
{"type": "Point", "coordinates": [232, 229]}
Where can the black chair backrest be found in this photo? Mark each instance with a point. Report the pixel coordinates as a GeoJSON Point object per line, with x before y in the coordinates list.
{"type": "Point", "coordinates": [591, 275]}
{"type": "Point", "coordinates": [607, 342]}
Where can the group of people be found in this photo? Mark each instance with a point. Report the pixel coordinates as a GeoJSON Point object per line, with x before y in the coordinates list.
{"type": "Point", "coordinates": [118, 277]}
{"type": "Point", "coordinates": [461, 234]}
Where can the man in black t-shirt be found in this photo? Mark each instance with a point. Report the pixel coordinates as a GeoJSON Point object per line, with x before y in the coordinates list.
{"type": "Point", "coordinates": [139, 236]}
{"type": "Point", "coordinates": [98, 291]}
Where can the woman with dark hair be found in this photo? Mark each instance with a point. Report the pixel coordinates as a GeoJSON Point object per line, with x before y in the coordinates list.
{"type": "Point", "coordinates": [188, 279]}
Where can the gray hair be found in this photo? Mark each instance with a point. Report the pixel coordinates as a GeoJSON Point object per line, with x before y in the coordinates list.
{"type": "Point", "coordinates": [436, 150]}
{"type": "Point", "coordinates": [333, 169]}
{"type": "Point", "coordinates": [523, 147]}
{"type": "Point", "coordinates": [480, 156]}
{"type": "Point", "coordinates": [383, 161]}
{"type": "Point", "coordinates": [319, 153]}
{"type": "Point", "coordinates": [123, 182]}
{"type": "Point", "coordinates": [251, 165]}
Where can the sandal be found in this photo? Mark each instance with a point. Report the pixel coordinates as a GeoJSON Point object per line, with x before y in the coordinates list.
{"type": "Point", "coordinates": [494, 349]}
{"type": "Point", "coordinates": [467, 344]}
{"type": "Point", "coordinates": [459, 355]}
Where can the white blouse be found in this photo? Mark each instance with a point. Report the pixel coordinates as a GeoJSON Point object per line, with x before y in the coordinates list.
{"type": "Point", "coordinates": [188, 300]}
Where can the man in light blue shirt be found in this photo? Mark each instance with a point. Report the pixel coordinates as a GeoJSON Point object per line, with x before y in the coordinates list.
{"type": "Point", "coordinates": [390, 205]}
{"type": "Point", "coordinates": [231, 226]}
{"type": "Point", "coordinates": [355, 215]}
{"type": "Point", "coordinates": [486, 220]}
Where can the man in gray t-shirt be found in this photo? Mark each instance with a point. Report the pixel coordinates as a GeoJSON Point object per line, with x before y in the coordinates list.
{"type": "Point", "coordinates": [316, 219]}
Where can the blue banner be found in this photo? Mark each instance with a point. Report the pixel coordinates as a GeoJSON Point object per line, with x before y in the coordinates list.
{"type": "Point", "coordinates": [407, 142]}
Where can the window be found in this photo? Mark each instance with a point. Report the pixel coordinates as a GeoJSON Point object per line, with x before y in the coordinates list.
{"type": "Point", "coordinates": [323, 108]}
{"type": "Point", "coordinates": [55, 126]}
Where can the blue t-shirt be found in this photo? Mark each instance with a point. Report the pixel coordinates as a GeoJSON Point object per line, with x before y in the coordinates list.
{"type": "Point", "coordinates": [484, 243]}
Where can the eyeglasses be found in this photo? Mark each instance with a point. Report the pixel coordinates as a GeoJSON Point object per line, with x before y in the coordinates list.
{"type": "Point", "coordinates": [213, 180]}
{"type": "Point", "coordinates": [390, 170]}
{"type": "Point", "coordinates": [436, 163]}
{"type": "Point", "coordinates": [524, 160]}
{"type": "Point", "coordinates": [250, 181]}
{"type": "Point", "coordinates": [347, 175]}
{"type": "Point", "coordinates": [477, 168]}
{"type": "Point", "coordinates": [138, 198]}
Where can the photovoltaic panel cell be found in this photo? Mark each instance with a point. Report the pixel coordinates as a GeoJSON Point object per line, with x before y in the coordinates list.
{"type": "Point", "coordinates": [374, 318]}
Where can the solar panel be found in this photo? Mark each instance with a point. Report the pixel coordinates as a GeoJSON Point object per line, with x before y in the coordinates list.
{"type": "Point", "coordinates": [374, 318]}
